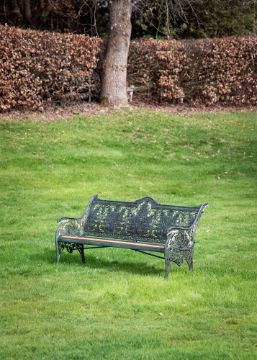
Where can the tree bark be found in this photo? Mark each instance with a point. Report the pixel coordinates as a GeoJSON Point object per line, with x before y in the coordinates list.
{"type": "Point", "coordinates": [15, 10]}
{"type": "Point", "coordinates": [114, 81]}
{"type": "Point", "coordinates": [27, 10]}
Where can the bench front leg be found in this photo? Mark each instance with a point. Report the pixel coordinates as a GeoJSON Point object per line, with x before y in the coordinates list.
{"type": "Point", "coordinates": [58, 250]}
{"type": "Point", "coordinates": [58, 245]}
{"type": "Point", "coordinates": [167, 266]}
{"type": "Point", "coordinates": [189, 261]}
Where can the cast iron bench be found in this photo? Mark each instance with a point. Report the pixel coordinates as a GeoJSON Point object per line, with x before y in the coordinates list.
{"type": "Point", "coordinates": [142, 225]}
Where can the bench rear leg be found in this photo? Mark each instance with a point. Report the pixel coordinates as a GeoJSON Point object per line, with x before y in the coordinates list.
{"type": "Point", "coordinates": [82, 253]}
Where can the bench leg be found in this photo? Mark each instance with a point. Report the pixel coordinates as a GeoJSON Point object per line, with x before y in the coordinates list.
{"type": "Point", "coordinates": [167, 267]}
{"type": "Point", "coordinates": [190, 263]}
{"type": "Point", "coordinates": [82, 254]}
{"type": "Point", "coordinates": [58, 252]}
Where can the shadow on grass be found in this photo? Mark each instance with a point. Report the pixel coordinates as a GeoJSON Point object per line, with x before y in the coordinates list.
{"type": "Point", "coordinates": [96, 262]}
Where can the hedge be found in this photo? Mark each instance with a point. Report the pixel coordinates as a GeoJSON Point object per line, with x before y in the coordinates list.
{"type": "Point", "coordinates": [42, 67]}
{"type": "Point", "coordinates": [205, 71]}
{"type": "Point", "coordinates": [38, 67]}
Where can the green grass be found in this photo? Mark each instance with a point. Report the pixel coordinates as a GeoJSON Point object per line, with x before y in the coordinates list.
{"type": "Point", "coordinates": [117, 305]}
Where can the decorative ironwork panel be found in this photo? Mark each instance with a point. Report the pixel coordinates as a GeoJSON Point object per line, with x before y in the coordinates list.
{"type": "Point", "coordinates": [144, 219]}
{"type": "Point", "coordinates": [179, 245]}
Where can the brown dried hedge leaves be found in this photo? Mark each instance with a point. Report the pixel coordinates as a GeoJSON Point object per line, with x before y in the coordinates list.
{"type": "Point", "coordinates": [205, 71]}
{"type": "Point", "coordinates": [42, 67]}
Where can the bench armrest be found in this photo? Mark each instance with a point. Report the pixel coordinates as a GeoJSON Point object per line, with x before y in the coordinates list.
{"type": "Point", "coordinates": [180, 238]}
{"type": "Point", "coordinates": [65, 218]}
{"type": "Point", "coordinates": [68, 227]}
{"type": "Point", "coordinates": [179, 245]}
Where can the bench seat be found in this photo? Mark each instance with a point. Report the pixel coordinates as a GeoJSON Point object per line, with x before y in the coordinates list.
{"type": "Point", "coordinates": [115, 243]}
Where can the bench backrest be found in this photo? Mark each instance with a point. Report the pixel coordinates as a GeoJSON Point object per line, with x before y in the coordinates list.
{"type": "Point", "coordinates": [143, 219]}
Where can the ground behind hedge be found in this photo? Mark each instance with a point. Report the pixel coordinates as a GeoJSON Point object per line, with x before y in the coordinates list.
{"type": "Point", "coordinates": [117, 305]}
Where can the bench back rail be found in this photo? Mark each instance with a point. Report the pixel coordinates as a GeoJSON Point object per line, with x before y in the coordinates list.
{"type": "Point", "coordinates": [141, 220]}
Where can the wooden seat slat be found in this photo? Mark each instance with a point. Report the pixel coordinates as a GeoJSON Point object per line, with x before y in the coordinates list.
{"type": "Point", "coordinates": [91, 239]}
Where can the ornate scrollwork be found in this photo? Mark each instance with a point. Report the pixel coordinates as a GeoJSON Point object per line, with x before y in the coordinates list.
{"type": "Point", "coordinates": [70, 247]}
{"type": "Point", "coordinates": [143, 219]}
{"type": "Point", "coordinates": [179, 246]}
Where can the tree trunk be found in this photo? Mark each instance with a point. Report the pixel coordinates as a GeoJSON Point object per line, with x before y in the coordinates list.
{"type": "Point", "coordinates": [114, 81]}
{"type": "Point", "coordinates": [15, 10]}
{"type": "Point", "coordinates": [27, 10]}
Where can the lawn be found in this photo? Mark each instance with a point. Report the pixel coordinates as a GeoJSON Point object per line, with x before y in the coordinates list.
{"type": "Point", "coordinates": [117, 305]}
